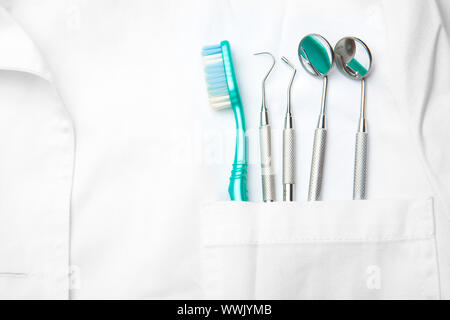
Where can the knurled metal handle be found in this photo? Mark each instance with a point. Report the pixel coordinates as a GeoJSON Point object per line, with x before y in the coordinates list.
{"type": "Point", "coordinates": [318, 158]}
{"type": "Point", "coordinates": [267, 172]}
{"type": "Point", "coordinates": [360, 172]}
{"type": "Point", "coordinates": [288, 156]}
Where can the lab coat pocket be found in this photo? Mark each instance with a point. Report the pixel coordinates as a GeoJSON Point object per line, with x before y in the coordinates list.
{"type": "Point", "coordinates": [372, 249]}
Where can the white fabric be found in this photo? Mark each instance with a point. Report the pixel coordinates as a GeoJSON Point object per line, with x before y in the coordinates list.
{"type": "Point", "coordinates": [374, 249]}
{"type": "Point", "coordinates": [111, 159]}
{"type": "Point", "coordinates": [36, 170]}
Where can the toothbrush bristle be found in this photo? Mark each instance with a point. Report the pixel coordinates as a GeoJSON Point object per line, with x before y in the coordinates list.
{"type": "Point", "coordinates": [215, 77]}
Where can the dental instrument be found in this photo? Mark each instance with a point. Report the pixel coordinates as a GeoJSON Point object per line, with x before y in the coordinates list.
{"type": "Point", "coordinates": [317, 58]}
{"type": "Point", "coordinates": [265, 141]}
{"type": "Point", "coordinates": [353, 59]}
{"type": "Point", "coordinates": [289, 143]}
{"type": "Point", "coordinates": [223, 93]}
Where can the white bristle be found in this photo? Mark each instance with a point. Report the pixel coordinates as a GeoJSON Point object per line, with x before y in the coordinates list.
{"type": "Point", "coordinates": [212, 59]}
{"type": "Point", "coordinates": [221, 100]}
{"type": "Point", "coordinates": [220, 106]}
{"type": "Point", "coordinates": [217, 99]}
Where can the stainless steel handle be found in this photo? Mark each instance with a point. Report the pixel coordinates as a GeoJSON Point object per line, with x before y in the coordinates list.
{"type": "Point", "coordinates": [288, 164]}
{"type": "Point", "coordinates": [360, 172]}
{"type": "Point", "coordinates": [267, 172]}
{"type": "Point", "coordinates": [318, 157]}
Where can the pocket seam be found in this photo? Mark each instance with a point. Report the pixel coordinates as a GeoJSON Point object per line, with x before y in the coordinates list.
{"type": "Point", "coordinates": [299, 241]}
{"type": "Point", "coordinates": [13, 275]}
{"type": "Point", "coordinates": [232, 223]}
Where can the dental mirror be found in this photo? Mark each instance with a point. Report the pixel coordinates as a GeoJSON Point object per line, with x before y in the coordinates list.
{"type": "Point", "coordinates": [354, 60]}
{"type": "Point", "coordinates": [316, 55]}
{"type": "Point", "coordinates": [317, 58]}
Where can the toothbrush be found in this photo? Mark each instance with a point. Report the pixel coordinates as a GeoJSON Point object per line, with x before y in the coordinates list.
{"type": "Point", "coordinates": [223, 93]}
{"type": "Point", "coordinates": [265, 139]}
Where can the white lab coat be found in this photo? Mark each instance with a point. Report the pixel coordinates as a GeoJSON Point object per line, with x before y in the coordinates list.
{"type": "Point", "coordinates": [114, 169]}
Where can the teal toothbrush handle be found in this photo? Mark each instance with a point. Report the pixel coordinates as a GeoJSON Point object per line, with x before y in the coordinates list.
{"type": "Point", "coordinates": [238, 180]}
{"type": "Point", "coordinates": [238, 183]}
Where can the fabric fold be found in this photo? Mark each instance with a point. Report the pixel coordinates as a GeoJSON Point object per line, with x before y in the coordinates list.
{"type": "Point", "coordinates": [17, 50]}
{"type": "Point", "coordinates": [37, 146]}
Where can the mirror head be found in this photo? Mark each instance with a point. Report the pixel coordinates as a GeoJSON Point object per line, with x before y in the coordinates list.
{"type": "Point", "coordinates": [316, 55]}
{"type": "Point", "coordinates": [353, 58]}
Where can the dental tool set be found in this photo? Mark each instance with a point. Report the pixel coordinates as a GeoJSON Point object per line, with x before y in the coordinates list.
{"type": "Point", "coordinates": [289, 143]}
{"type": "Point", "coordinates": [349, 51]}
{"type": "Point", "coordinates": [265, 141]}
{"type": "Point", "coordinates": [317, 57]}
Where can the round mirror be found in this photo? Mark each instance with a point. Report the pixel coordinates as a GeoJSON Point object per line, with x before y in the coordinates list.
{"type": "Point", "coordinates": [316, 55]}
{"type": "Point", "coordinates": [353, 58]}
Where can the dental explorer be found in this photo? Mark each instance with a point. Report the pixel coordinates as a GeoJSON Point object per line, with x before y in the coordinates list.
{"type": "Point", "coordinates": [353, 59]}
{"type": "Point", "coordinates": [265, 140]}
{"type": "Point", "coordinates": [317, 58]}
{"type": "Point", "coordinates": [289, 144]}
